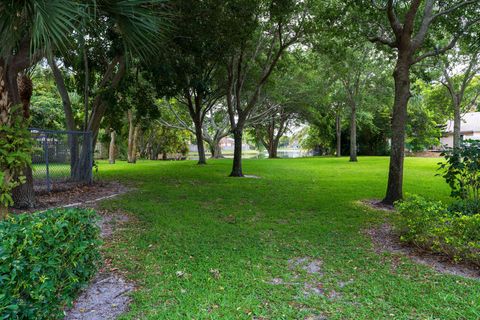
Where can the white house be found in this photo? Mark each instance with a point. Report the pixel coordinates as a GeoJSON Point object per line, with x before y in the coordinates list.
{"type": "Point", "coordinates": [226, 144]}
{"type": "Point", "coordinates": [469, 129]}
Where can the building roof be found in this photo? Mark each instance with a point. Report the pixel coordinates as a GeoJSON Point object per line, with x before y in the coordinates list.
{"type": "Point", "coordinates": [470, 123]}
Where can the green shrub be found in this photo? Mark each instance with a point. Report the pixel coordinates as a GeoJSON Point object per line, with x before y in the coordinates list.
{"type": "Point", "coordinates": [45, 259]}
{"type": "Point", "coordinates": [16, 147]}
{"type": "Point", "coordinates": [430, 225]}
{"type": "Point", "coordinates": [465, 207]}
{"type": "Point", "coordinates": [462, 170]}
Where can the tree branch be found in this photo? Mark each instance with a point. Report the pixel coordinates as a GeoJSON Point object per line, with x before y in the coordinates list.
{"type": "Point", "coordinates": [449, 46]}
{"type": "Point", "coordinates": [393, 19]}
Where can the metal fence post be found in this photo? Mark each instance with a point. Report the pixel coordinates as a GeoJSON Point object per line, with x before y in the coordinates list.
{"type": "Point", "coordinates": [45, 147]}
{"type": "Point", "coordinates": [90, 167]}
{"type": "Point", "coordinates": [65, 172]}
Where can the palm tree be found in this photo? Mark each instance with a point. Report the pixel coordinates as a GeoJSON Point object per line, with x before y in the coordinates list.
{"type": "Point", "coordinates": [29, 29]}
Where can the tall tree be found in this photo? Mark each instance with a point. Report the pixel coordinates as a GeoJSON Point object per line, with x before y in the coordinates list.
{"type": "Point", "coordinates": [460, 68]}
{"type": "Point", "coordinates": [264, 30]}
{"type": "Point", "coordinates": [214, 124]}
{"type": "Point", "coordinates": [272, 128]}
{"type": "Point", "coordinates": [136, 97]}
{"type": "Point", "coordinates": [215, 128]}
{"type": "Point", "coordinates": [360, 74]}
{"type": "Point", "coordinates": [287, 94]}
{"type": "Point", "coordinates": [415, 30]}
{"type": "Point", "coordinates": [191, 70]}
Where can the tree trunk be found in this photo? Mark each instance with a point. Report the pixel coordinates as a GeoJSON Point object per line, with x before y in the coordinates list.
{"type": "Point", "coordinates": [153, 153]}
{"type": "Point", "coordinates": [353, 134]}
{"type": "Point", "coordinates": [5, 105]}
{"type": "Point", "coordinates": [131, 129]}
{"type": "Point", "coordinates": [457, 119]}
{"type": "Point", "coordinates": [200, 146]}
{"type": "Point", "coordinates": [111, 149]}
{"type": "Point", "coordinates": [216, 150]}
{"type": "Point", "coordinates": [338, 130]}
{"type": "Point", "coordinates": [24, 195]}
{"type": "Point", "coordinates": [112, 77]}
{"type": "Point", "coordinates": [272, 153]}
{"type": "Point", "coordinates": [69, 118]}
{"type": "Point", "coordinates": [134, 144]}
{"type": "Point", "coordinates": [62, 90]}
{"type": "Point", "coordinates": [273, 148]}
{"type": "Point", "coordinates": [402, 96]}
{"type": "Point", "coordinates": [86, 85]}
{"type": "Point", "coordinates": [237, 153]}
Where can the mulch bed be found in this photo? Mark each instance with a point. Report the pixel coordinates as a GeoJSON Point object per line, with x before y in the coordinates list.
{"type": "Point", "coordinates": [386, 240]}
{"type": "Point", "coordinates": [376, 204]}
{"type": "Point", "coordinates": [75, 196]}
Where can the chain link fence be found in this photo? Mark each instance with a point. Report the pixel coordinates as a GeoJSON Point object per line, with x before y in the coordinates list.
{"type": "Point", "coordinates": [61, 159]}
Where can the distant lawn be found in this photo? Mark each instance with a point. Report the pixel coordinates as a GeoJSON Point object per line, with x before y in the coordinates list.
{"type": "Point", "coordinates": [205, 246]}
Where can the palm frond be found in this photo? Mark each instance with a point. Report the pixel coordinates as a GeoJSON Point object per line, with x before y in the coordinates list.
{"type": "Point", "coordinates": [44, 23]}
{"type": "Point", "coordinates": [54, 22]}
{"type": "Point", "coordinates": [142, 24]}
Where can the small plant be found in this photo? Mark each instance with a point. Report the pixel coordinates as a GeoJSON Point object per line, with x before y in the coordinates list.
{"type": "Point", "coordinates": [46, 258]}
{"type": "Point", "coordinates": [462, 170]}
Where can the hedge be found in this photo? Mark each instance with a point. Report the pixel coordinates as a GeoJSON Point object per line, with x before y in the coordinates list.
{"type": "Point", "coordinates": [432, 225]}
{"type": "Point", "coordinates": [45, 259]}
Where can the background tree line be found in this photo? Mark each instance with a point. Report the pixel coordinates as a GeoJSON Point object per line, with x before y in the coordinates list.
{"type": "Point", "coordinates": [147, 77]}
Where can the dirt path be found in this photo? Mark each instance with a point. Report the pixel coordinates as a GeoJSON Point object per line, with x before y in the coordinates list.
{"type": "Point", "coordinates": [108, 294]}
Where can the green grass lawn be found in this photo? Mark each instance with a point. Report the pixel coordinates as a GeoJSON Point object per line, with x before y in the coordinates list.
{"type": "Point", "coordinates": [201, 245]}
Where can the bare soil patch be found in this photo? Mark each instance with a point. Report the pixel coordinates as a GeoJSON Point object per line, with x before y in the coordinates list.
{"type": "Point", "coordinates": [107, 297]}
{"type": "Point", "coordinates": [111, 222]}
{"type": "Point", "coordinates": [251, 176]}
{"type": "Point", "coordinates": [385, 240]}
{"type": "Point", "coordinates": [311, 284]}
{"type": "Point", "coordinates": [77, 196]}
{"type": "Point", "coordinates": [376, 204]}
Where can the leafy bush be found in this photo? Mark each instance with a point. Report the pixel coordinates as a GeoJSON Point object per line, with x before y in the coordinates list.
{"type": "Point", "coordinates": [430, 225]}
{"type": "Point", "coordinates": [465, 207]}
{"type": "Point", "coordinates": [462, 170]}
{"type": "Point", "coordinates": [15, 154]}
{"type": "Point", "coordinates": [45, 258]}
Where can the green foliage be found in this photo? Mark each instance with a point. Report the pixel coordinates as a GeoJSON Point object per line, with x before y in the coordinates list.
{"type": "Point", "coordinates": [165, 140]}
{"type": "Point", "coordinates": [466, 207]}
{"type": "Point", "coordinates": [136, 94]}
{"type": "Point", "coordinates": [462, 170]}
{"type": "Point", "coordinates": [48, 23]}
{"type": "Point", "coordinates": [313, 136]}
{"type": "Point", "coordinates": [429, 225]}
{"type": "Point", "coordinates": [46, 107]}
{"type": "Point", "coordinates": [46, 258]}
{"type": "Point", "coordinates": [455, 229]}
{"type": "Point", "coordinates": [15, 149]}
{"type": "Point", "coordinates": [423, 127]}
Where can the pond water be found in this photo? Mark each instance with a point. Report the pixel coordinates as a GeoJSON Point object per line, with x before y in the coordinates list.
{"type": "Point", "coordinates": [263, 154]}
